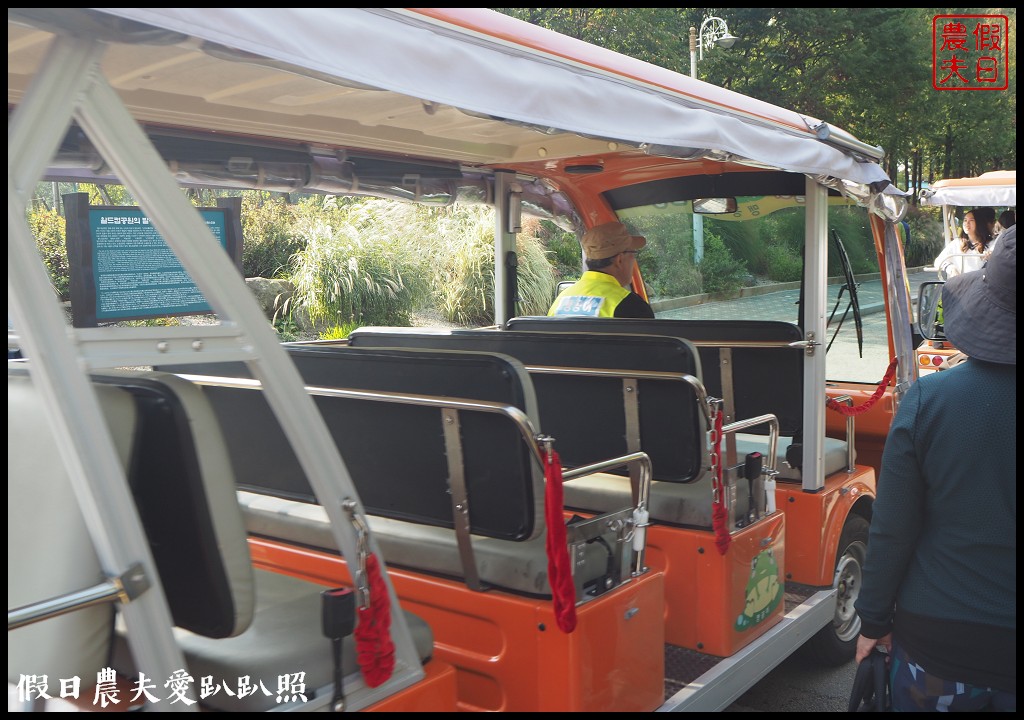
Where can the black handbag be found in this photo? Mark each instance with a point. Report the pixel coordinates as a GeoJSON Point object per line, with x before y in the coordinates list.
{"type": "Point", "coordinates": [871, 691]}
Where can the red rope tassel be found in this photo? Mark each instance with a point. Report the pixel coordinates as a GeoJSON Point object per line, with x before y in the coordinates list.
{"type": "Point", "coordinates": [718, 514]}
{"type": "Point", "coordinates": [563, 591]}
{"type": "Point", "coordinates": [722, 537]}
{"type": "Point", "coordinates": [375, 652]}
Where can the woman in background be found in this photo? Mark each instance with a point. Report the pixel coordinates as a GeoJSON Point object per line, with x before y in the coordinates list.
{"type": "Point", "coordinates": [971, 249]}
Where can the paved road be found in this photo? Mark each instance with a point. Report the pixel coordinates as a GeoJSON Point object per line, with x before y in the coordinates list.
{"type": "Point", "coordinates": [799, 684]}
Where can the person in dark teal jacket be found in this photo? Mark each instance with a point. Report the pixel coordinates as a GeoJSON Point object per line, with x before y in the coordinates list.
{"type": "Point", "coordinates": [603, 291]}
{"type": "Point", "coordinates": [939, 589]}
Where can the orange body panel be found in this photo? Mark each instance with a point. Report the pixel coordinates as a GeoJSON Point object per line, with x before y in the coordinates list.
{"type": "Point", "coordinates": [814, 522]}
{"type": "Point", "coordinates": [994, 178]}
{"type": "Point", "coordinates": [713, 602]}
{"type": "Point", "coordinates": [434, 693]}
{"type": "Point", "coordinates": [508, 653]}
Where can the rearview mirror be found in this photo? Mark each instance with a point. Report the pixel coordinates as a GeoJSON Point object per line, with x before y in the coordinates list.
{"type": "Point", "coordinates": [714, 206]}
{"type": "Point", "coordinates": [929, 311]}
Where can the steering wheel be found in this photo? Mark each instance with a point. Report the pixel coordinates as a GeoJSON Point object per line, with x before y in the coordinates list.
{"type": "Point", "coordinates": [850, 287]}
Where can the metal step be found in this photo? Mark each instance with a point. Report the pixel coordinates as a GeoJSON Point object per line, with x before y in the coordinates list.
{"type": "Point", "coordinates": [697, 682]}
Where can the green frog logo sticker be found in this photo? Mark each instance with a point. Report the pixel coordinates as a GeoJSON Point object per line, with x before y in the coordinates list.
{"type": "Point", "coordinates": [764, 591]}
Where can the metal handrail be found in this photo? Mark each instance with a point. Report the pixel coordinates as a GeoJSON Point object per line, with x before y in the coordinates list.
{"type": "Point", "coordinates": [533, 440]}
{"type": "Point", "coordinates": [850, 432]}
{"type": "Point", "coordinates": [121, 589]}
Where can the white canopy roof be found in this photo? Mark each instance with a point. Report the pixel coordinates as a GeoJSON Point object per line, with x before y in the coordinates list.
{"type": "Point", "coordinates": [991, 189]}
{"type": "Point", "coordinates": [316, 74]}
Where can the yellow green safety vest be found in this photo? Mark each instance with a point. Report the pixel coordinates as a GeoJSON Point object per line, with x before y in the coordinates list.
{"type": "Point", "coordinates": [596, 294]}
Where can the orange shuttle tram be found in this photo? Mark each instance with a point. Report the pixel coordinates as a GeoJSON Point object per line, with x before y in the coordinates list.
{"type": "Point", "coordinates": [534, 515]}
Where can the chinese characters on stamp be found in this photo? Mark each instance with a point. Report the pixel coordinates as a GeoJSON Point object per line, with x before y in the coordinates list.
{"type": "Point", "coordinates": [970, 52]}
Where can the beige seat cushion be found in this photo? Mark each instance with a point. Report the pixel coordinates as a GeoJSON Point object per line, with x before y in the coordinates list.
{"type": "Point", "coordinates": [518, 566]}
{"type": "Point", "coordinates": [49, 549]}
{"type": "Point", "coordinates": [835, 453]}
{"type": "Point", "coordinates": [688, 505]}
{"type": "Point", "coordinates": [284, 639]}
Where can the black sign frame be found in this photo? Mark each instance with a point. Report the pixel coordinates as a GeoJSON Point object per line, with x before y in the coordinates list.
{"type": "Point", "coordinates": [121, 269]}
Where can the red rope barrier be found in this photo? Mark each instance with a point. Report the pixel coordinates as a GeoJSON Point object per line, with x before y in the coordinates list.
{"type": "Point", "coordinates": [563, 590]}
{"type": "Point", "coordinates": [869, 403]}
{"type": "Point", "coordinates": [375, 652]}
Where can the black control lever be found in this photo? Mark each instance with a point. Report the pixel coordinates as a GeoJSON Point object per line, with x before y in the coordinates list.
{"type": "Point", "coordinates": [338, 621]}
{"type": "Point", "coordinates": [752, 468]}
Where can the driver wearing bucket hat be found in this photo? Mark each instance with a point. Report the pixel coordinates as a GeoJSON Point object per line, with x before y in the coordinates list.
{"type": "Point", "coordinates": [603, 291]}
{"type": "Point", "coordinates": [940, 579]}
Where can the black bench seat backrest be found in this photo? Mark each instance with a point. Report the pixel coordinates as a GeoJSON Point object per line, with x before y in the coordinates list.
{"type": "Point", "coordinates": [764, 380]}
{"type": "Point", "coordinates": [188, 542]}
{"type": "Point", "coordinates": [586, 414]}
{"type": "Point", "coordinates": [395, 453]}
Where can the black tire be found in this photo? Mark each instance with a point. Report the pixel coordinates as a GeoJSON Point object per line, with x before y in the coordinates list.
{"type": "Point", "coordinates": [836, 643]}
